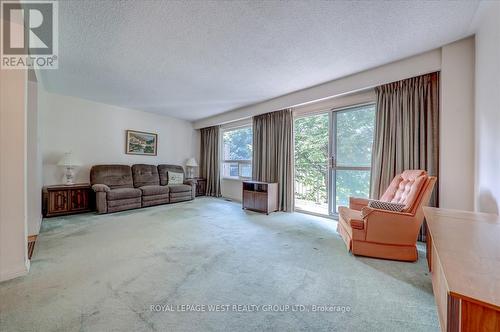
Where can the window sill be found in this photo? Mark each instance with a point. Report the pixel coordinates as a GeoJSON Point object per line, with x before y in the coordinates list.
{"type": "Point", "coordinates": [235, 179]}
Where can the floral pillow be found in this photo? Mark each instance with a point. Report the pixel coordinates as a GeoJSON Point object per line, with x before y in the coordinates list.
{"type": "Point", "coordinates": [175, 178]}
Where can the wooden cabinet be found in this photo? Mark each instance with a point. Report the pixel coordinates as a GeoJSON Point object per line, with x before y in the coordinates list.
{"type": "Point", "coordinates": [260, 196]}
{"type": "Point", "coordinates": [462, 253]}
{"type": "Point", "coordinates": [201, 186]}
{"type": "Point", "coordinates": [67, 199]}
{"type": "Point", "coordinates": [79, 199]}
{"type": "Point", "coordinates": [58, 201]}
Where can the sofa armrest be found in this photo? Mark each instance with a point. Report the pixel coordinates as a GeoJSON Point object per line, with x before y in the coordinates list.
{"type": "Point", "coordinates": [382, 226]}
{"type": "Point", "coordinates": [191, 183]}
{"type": "Point", "coordinates": [357, 203]}
{"type": "Point", "coordinates": [100, 187]}
{"type": "Point", "coordinates": [357, 224]}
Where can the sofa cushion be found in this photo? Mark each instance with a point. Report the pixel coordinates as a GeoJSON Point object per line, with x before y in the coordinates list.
{"type": "Point", "coordinates": [122, 193]}
{"type": "Point", "coordinates": [163, 170]}
{"type": "Point", "coordinates": [154, 190]}
{"type": "Point", "coordinates": [114, 176]}
{"type": "Point", "coordinates": [178, 188]}
{"type": "Point", "coordinates": [145, 175]}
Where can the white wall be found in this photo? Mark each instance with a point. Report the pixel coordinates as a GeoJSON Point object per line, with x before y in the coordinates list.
{"type": "Point", "coordinates": [34, 162]}
{"type": "Point", "coordinates": [231, 188]}
{"type": "Point", "coordinates": [405, 68]}
{"type": "Point", "coordinates": [456, 176]}
{"type": "Point", "coordinates": [95, 133]}
{"type": "Point", "coordinates": [13, 194]}
{"type": "Point", "coordinates": [488, 107]}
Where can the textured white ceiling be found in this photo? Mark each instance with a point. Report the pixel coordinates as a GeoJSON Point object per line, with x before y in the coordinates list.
{"type": "Point", "coordinates": [194, 59]}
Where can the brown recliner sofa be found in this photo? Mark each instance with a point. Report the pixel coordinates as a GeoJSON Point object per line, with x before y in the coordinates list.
{"type": "Point", "coordinates": [177, 192]}
{"type": "Point", "coordinates": [121, 187]}
{"type": "Point", "coordinates": [146, 178]}
{"type": "Point", "coordinates": [114, 187]}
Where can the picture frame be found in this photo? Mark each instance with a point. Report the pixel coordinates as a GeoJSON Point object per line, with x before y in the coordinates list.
{"type": "Point", "coordinates": [141, 143]}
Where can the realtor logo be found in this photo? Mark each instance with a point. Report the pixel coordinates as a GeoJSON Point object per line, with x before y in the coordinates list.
{"type": "Point", "coordinates": [29, 36]}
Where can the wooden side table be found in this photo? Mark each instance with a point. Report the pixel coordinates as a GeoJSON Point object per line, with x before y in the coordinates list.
{"type": "Point", "coordinates": [201, 186]}
{"type": "Point", "coordinates": [62, 200]}
{"type": "Point", "coordinates": [260, 196]}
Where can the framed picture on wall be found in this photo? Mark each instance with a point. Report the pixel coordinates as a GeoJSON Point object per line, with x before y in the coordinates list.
{"type": "Point", "coordinates": [141, 143]}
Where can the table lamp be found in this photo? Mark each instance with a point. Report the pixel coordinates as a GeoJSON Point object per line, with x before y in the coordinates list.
{"type": "Point", "coordinates": [190, 165]}
{"type": "Point", "coordinates": [69, 163]}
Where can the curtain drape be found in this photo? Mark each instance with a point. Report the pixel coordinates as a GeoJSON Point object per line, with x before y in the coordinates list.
{"type": "Point", "coordinates": [272, 157]}
{"type": "Point", "coordinates": [209, 159]}
{"type": "Point", "coordinates": [406, 132]}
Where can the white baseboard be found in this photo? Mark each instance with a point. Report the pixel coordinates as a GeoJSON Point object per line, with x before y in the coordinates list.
{"type": "Point", "coordinates": [231, 199]}
{"type": "Point", "coordinates": [14, 273]}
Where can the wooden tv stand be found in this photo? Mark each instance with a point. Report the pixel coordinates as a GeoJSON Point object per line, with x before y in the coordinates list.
{"type": "Point", "coordinates": [463, 256]}
{"type": "Point", "coordinates": [260, 196]}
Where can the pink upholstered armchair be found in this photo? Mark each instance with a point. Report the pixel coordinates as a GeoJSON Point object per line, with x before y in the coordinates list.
{"type": "Point", "coordinates": [388, 228]}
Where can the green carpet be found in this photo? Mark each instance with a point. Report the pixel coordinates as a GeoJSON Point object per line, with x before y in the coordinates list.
{"type": "Point", "coordinates": [105, 272]}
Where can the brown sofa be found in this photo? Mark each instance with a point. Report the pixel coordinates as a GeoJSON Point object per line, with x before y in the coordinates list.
{"type": "Point", "coordinates": [146, 178]}
{"type": "Point", "coordinates": [121, 187]}
{"type": "Point", "coordinates": [177, 192]}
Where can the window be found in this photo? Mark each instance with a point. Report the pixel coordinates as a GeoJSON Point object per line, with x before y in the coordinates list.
{"type": "Point", "coordinates": [237, 153]}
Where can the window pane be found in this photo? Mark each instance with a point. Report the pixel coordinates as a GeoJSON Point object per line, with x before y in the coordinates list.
{"type": "Point", "coordinates": [238, 144]}
{"type": "Point", "coordinates": [355, 136]}
{"type": "Point", "coordinates": [351, 183]}
{"type": "Point", "coordinates": [311, 163]}
{"type": "Point", "coordinates": [230, 169]}
{"type": "Point", "coordinates": [246, 170]}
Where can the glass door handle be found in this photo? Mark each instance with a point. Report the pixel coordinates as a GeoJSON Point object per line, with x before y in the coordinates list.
{"type": "Point", "coordinates": [332, 162]}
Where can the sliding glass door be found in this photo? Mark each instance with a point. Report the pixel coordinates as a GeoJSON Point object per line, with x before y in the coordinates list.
{"type": "Point", "coordinates": [332, 158]}
{"type": "Point", "coordinates": [352, 133]}
{"type": "Point", "coordinates": [311, 163]}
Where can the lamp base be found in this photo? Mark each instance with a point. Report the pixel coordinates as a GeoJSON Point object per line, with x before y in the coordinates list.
{"type": "Point", "coordinates": [69, 176]}
{"type": "Point", "coordinates": [189, 172]}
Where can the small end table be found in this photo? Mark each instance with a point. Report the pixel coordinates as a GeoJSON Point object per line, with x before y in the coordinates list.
{"type": "Point", "coordinates": [201, 185]}
{"type": "Point", "coordinates": [63, 199]}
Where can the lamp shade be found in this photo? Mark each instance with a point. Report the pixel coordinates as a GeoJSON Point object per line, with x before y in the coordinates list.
{"type": "Point", "coordinates": [68, 160]}
{"type": "Point", "coordinates": [191, 162]}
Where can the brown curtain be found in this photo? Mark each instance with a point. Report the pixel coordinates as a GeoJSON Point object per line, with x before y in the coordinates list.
{"type": "Point", "coordinates": [406, 132]}
{"type": "Point", "coordinates": [272, 159]}
{"type": "Point", "coordinates": [209, 160]}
